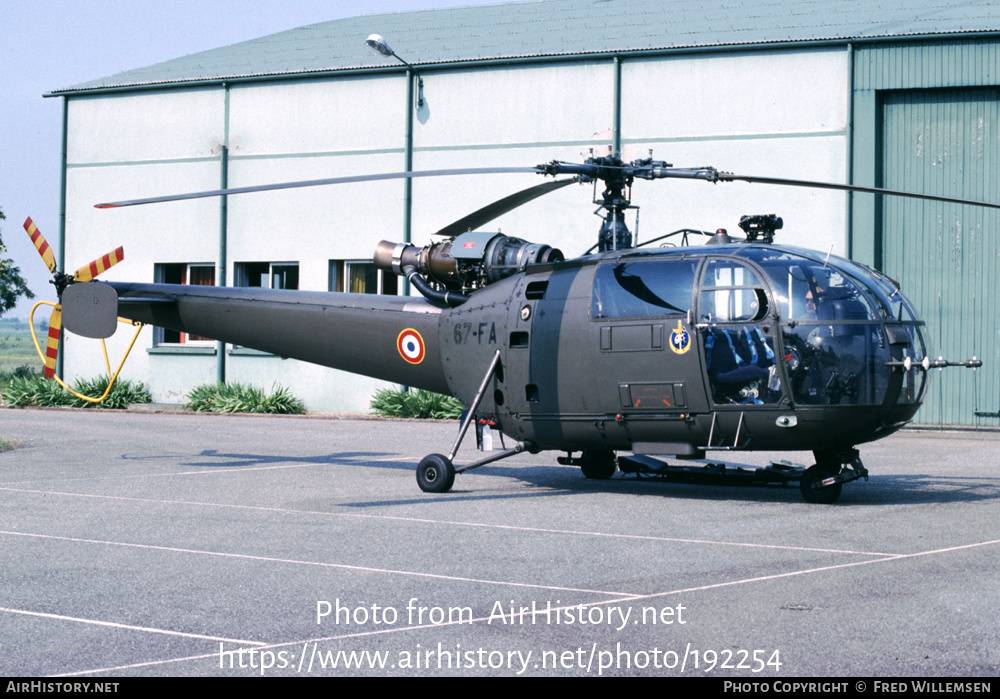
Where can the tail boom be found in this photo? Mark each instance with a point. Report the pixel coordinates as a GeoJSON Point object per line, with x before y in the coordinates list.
{"type": "Point", "coordinates": [385, 337]}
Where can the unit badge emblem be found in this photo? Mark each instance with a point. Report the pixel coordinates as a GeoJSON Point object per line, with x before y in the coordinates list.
{"type": "Point", "coordinates": [680, 339]}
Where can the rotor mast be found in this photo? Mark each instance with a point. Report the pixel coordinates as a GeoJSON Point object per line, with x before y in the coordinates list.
{"type": "Point", "coordinates": [617, 177]}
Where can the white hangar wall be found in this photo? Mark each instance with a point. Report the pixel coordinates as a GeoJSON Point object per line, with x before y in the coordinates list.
{"type": "Point", "coordinates": [141, 144]}
{"type": "Point", "coordinates": [767, 113]}
{"type": "Point", "coordinates": [780, 113]}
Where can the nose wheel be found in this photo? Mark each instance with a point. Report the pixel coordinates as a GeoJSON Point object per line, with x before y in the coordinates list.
{"type": "Point", "coordinates": [822, 482]}
{"type": "Point", "coordinates": [819, 485]}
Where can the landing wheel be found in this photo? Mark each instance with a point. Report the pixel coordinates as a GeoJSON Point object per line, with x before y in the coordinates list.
{"type": "Point", "coordinates": [435, 474]}
{"type": "Point", "coordinates": [810, 486]}
{"type": "Point", "coordinates": [598, 464]}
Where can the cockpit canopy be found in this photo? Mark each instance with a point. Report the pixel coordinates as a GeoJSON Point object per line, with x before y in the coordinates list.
{"type": "Point", "coordinates": [803, 326]}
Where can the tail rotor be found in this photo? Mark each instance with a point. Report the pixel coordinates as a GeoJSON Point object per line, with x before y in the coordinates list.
{"type": "Point", "coordinates": [87, 273]}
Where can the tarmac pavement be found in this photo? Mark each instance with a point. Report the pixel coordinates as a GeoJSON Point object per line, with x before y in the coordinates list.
{"type": "Point", "coordinates": [137, 544]}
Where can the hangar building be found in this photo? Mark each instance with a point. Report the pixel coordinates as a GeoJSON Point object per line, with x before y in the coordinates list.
{"type": "Point", "coordinates": [898, 94]}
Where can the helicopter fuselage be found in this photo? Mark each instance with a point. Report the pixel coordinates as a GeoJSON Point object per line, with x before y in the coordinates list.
{"type": "Point", "coordinates": [669, 351]}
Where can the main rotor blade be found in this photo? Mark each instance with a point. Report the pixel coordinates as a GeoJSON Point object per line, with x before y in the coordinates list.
{"type": "Point", "coordinates": [710, 174]}
{"type": "Point", "coordinates": [865, 190]}
{"type": "Point", "coordinates": [315, 183]}
{"type": "Point", "coordinates": [502, 206]}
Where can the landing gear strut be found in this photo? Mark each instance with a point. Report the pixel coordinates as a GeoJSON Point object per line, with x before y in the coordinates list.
{"type": "Point", "coordinates": [435, 472]}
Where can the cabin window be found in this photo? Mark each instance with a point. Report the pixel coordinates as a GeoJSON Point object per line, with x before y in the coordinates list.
{"type": "Point", "coordinates": [267, 275]}
{"type": "Point", "coordinates": [361, 277]}
{"type": "Point", "coordinates": [643, 288]}
{"type": "Point", "coordinates": [731, 293]}
{"type": "Point", "coordinates": [199, 274]}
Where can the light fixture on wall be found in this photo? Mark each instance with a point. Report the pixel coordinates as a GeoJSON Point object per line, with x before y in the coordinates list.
{"type": "Point", "coordinates": [379, 45]}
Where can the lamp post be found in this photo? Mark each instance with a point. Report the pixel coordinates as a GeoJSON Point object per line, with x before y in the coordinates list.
{"type": "Point", "coordinates": [378, 44]}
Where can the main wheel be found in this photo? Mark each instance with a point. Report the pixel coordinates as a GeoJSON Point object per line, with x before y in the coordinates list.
{"type": "Point", "coordinates": [435, 474]}
{"type": "Point", "coordinates": [811, 489]}
{"type": "Point", "coordinates": [598, 464]}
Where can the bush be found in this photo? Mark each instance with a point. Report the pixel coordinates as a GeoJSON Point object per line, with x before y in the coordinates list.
{"type": "Point", "coordinates": [22, 391]}
{"type": "Point", "coordinates": [123, 393]}
{"type": "Point", "coordinates": [36, 390]}
{"type": "Point", "coordinates": [389, 402]}
{"type": "Point", "coordinates": [20, 372]}
{"type": "Point", "coordinates": [240, 398]}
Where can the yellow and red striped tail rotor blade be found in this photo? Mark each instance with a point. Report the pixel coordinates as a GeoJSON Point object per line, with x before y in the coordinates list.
{"type": "Point", "coordinates": [100, 265]}
{"type": "Point", "coordinates": [52, 344]}
{"type": "Point", "coordinates": [40, 244]}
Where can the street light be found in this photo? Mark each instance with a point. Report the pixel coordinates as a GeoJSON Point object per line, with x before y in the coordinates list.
{"type": "Point", "coordinates": [379, 45]}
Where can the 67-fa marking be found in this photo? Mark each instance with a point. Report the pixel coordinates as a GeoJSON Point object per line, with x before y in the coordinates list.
{"type": "Point", "coordinates": [464, 330]}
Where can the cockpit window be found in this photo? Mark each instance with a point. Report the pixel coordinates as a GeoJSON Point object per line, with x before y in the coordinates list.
{"type": "Point", "coordinates": [835, 317]}
{"type": "Point", "coordinates": [887, 292]}
{"type": "Point", "coordinates": [643, 288]}
{"type": "Point", "coordinates": [815, 290]}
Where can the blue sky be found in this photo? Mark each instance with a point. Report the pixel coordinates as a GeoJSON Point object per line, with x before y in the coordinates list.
{"type": "Point", "coordinates": [47, 45]}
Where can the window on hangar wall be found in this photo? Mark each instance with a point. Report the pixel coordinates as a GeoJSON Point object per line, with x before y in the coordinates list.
{"type": "Point", "coordinates": [196, 273]}
{"type": "Point", "coordinates": [361, 277]}
{"type": "Point", "coordinates": [268, 275]}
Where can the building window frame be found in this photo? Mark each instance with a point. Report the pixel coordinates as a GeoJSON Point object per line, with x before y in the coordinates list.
{"type": "Point", "coordinates": [267, 275]}
{"type": "Point", "coordinates": [183, 273]}
{"type": "Point", "coordinates": [362, 277]}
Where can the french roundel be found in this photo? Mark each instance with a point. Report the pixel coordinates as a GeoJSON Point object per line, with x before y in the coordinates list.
{"type": "Point", "coordinates": [410, 346]}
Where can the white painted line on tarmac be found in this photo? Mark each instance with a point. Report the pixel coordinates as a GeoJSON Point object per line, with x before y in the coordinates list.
{"type": "Point", "coordinates": [321, 564]}
{"type": "Point", "coordinates": [129, 627]}
{"type": "Point", "coordinates": [617, 535]}
{"type": "Point", "coordinates": [483, 525]}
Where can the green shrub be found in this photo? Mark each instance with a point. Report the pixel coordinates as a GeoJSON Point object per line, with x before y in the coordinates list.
{"type": "Point", "coordinates": [389, 402]}
{"type": "Point", "coordinates": [22, 371]}
{"type": "Point", "coordinates": [240, 398]}
{"type": "Point", "coordinates": [123, 393]}
{"type": "Point", "coordinates": [36, 390]}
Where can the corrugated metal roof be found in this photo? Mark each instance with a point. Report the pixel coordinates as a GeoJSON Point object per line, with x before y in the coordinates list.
{"type": "Point", "coordinates": [550, 28]}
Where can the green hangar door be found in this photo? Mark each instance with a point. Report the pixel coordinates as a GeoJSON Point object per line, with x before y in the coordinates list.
{"type": "Point", "coordinates": [947, 256]}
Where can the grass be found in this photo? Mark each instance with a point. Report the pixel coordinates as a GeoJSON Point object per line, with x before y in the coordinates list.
{"type": "Point", "coordinates": [241, 398]}
{"type": "Point", "coordinates": [16, 347]}
{"type": "Point", "coordinates": [415, 404]}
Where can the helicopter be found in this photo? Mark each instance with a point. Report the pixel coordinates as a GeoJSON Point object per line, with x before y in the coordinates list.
{"type": "Point", "coordinates": [619, 358]}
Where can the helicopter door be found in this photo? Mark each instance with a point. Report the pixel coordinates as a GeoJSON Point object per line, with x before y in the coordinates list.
{"type": "Point", "coordinates": [737, 336]}
{"type": "Point", "coordinates": [647, 358]}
